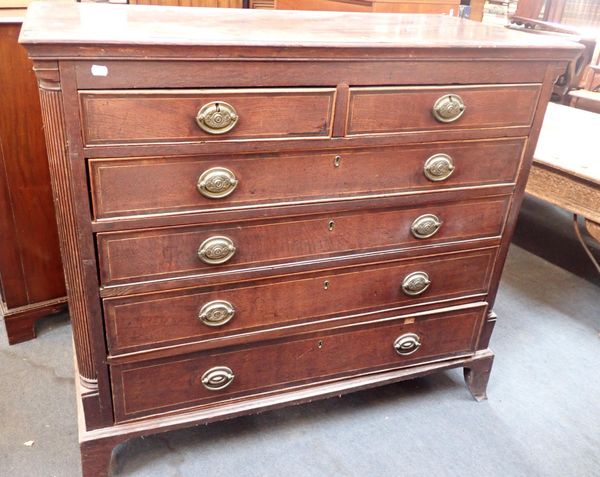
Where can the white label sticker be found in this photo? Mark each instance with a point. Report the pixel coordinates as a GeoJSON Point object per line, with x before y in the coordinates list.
{"type": "Point", "coordinates": [99, 70]}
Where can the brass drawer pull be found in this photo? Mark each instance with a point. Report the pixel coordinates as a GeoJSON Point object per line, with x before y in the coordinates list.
{"type": "Point", "coordinates": [216, 250]}
{"type": "Point", "coordinates": [438, 167]}
{"type": "Point", "coordinates": [216, 313]}
{"type": "Point", "coordinates": [217, 117]}
{"type": "Point", "coordinates": [217, 378]}
{"type": "Point", "coordinates": [415, 283]}
{"type": "Point", "coordinates": [407, 344]}
{"type": "Point", "coordinates": [216, 183]}
{"type": "Point", "coordinates": [448, 108]}
{"type": "Point", "coordinates": [425, 226]}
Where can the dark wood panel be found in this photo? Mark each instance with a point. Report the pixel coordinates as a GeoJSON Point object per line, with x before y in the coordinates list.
{"type": "Point", "coordinates": [316, 358]}
{"type": "Point", "coordinates": [410, 109]}
{"type": "Point", "coordinates": [167, 185]}
{"type": "Point", "coordinates": [148, 321]}
{"type": "Point", "coordinates": [253, 73]}
{"type": "Point", "coordinates": [170, 116]}
{"type": "Point", "coordinates": [30, 267]}
{"type": "Point", "coordinates": [163, 253]}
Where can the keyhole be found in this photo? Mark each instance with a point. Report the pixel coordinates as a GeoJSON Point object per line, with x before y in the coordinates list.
{"type": "Point", "coordinates": [320, 344]}
{"type": "Point", "coordinates": [218, 108]}
{"type": "Point", "coordinates": [330, 225]}
{"type": "Point", "coordinates": [326, 285]}
{"type": "Point", "coordinates": [337, 161]}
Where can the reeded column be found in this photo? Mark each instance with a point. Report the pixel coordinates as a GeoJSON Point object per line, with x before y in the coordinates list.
{"type": "Point", "coordinates": [58, 159]}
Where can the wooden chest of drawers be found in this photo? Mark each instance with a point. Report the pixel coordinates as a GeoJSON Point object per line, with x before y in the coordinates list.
{"type": "Point", "coordinates": [266, 208]}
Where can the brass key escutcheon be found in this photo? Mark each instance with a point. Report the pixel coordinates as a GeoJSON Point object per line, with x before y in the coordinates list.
{"type": "Point", "coordinates": [448, 108]}
{"type": "Point", "coordinates": [217, 117]}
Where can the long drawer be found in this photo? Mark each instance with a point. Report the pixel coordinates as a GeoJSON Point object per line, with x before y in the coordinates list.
{"type": "Point", "coordinates": [135, 323]}
{"type": "Point", "coordinates": [388, 110]}
{"type": "Point", "coordinates": [163, 185]}
{"type": "Point", "coordinates": [225, 374]}
{"type": "Point", "coordinates": [149, 254]}
{"type": "Point", "coordinates": [161, 116]}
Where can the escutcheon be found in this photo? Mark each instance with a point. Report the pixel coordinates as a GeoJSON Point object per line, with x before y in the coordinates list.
{"type": "Point", "coordinates": [216, 250]}
{"type": "Point", "coordinates": [448, 108]}
{"type": "Point", "coordinates": [217, 378]}
{"type": "Point", "coordinates": [216, 313]}
{"type": "Point", "coordinates": [425, 226]}
{"type": "Point", "coordinates": [217, 117]}
{"type": "Point", "coordinates": [415, 283]}
{"type": "Point", "coordinates": [407, 344]}
{"type": "Point", "coordinates": [216, 183]}
{"type": "Point", "coordinates": [438, 167]}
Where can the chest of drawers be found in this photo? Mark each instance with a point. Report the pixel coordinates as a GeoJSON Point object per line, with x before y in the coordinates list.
{"type": "Point", "coordinates": [258, 209]}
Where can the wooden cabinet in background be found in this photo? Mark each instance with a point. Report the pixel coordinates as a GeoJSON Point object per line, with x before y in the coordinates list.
{"type": "Point", "coordinates": [191, 3]}
{"type": "Point", "coordinates": [377, 6]}
{"type": "Point", "coordinates": [31, 276]}
{"type": "Point", "coordinates": [264, 4]}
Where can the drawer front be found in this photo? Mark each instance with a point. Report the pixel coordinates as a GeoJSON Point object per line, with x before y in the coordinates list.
{"type": "Point", "coordinates": [396, 110]}
{"type": "Point", "coordinates": [141, 255]}
{"type": "Point", "coordinates": [118, 117]}
{"type": "Point", "coordinates": [151, 321]}
{"type": "Point", "coordinates": [316, 357]}
{"type": "Point", "coordinates": [196, 184]}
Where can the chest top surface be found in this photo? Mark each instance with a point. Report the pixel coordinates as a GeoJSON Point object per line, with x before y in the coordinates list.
{"type": "Point", "coordinates": [113, 26]}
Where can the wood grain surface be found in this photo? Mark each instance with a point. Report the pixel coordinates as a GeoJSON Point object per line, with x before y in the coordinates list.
{"type": "Point", "coordinates": [152, 254]}
{"type": "Point", "coordinates": [412, 108]}
{"type": "Point", "coordinates": [168, 185]}
{"type": "Point", "coordinates": [170, 116]}
{"type": "Point", "coordinates": [318, 357]}
{"type": "Point", "coordinates": [146, 321]}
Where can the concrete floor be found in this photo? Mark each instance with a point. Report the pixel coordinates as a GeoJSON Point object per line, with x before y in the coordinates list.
{"type": "Point", "coordinates": [542, 417]}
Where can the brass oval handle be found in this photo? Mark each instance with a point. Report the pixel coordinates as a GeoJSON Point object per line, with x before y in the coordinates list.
{"type": "Point", "coordinates": [415, 283]}
{"type": "Point", "coordinates": [438, 167]}
{"type": "Point", "coordinates": [407, 344]}
{"type": "Point", "coordinates": [217, 117]}
{"type": "Point", "coordinates": [425, 226]}
{"type": "Point", "coordinates": [217, 378]}
{"type": "Point", "coordinates": [217, 182]}
{"type": "Point", "coordinates": [216, 313]}
{"type": "Point", "coordinates": [448, 108]}
{"type": "Point", "coordinates": [216, 250]}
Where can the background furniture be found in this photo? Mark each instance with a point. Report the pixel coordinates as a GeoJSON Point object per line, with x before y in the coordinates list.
{"type": "Point", "coordinates": [31, 276]}
{"type": "Point", "coordinates": [530, 18]}
{"type": "Point", "coordinates": [259, 4]}
{"type": "Point", "coordinates": [566, 167]}
{"type": "Point", "coordinates": [380, 6]}
{"type": "Point", "coordinates": [588, 97]}
{"type": "Point", "coordinates": [259, 209]}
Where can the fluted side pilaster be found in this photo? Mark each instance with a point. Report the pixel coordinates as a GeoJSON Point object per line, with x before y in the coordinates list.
{"type": "Point", "coordinates": [56, 141]}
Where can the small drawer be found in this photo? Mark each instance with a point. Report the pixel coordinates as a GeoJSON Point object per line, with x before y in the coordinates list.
{"type": "Point", "coordinates": [390, 110]}
{"type": "Point", "coordinates": [166, 185]}
{"type": "Point", "coordinates": [209, 377]}
{"type": "Point", "coordinates": [172, 252]}
{"type": "Point", "coordinates": [152, 321]}
{"type": "Point", "coordinates": [175, 116]}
